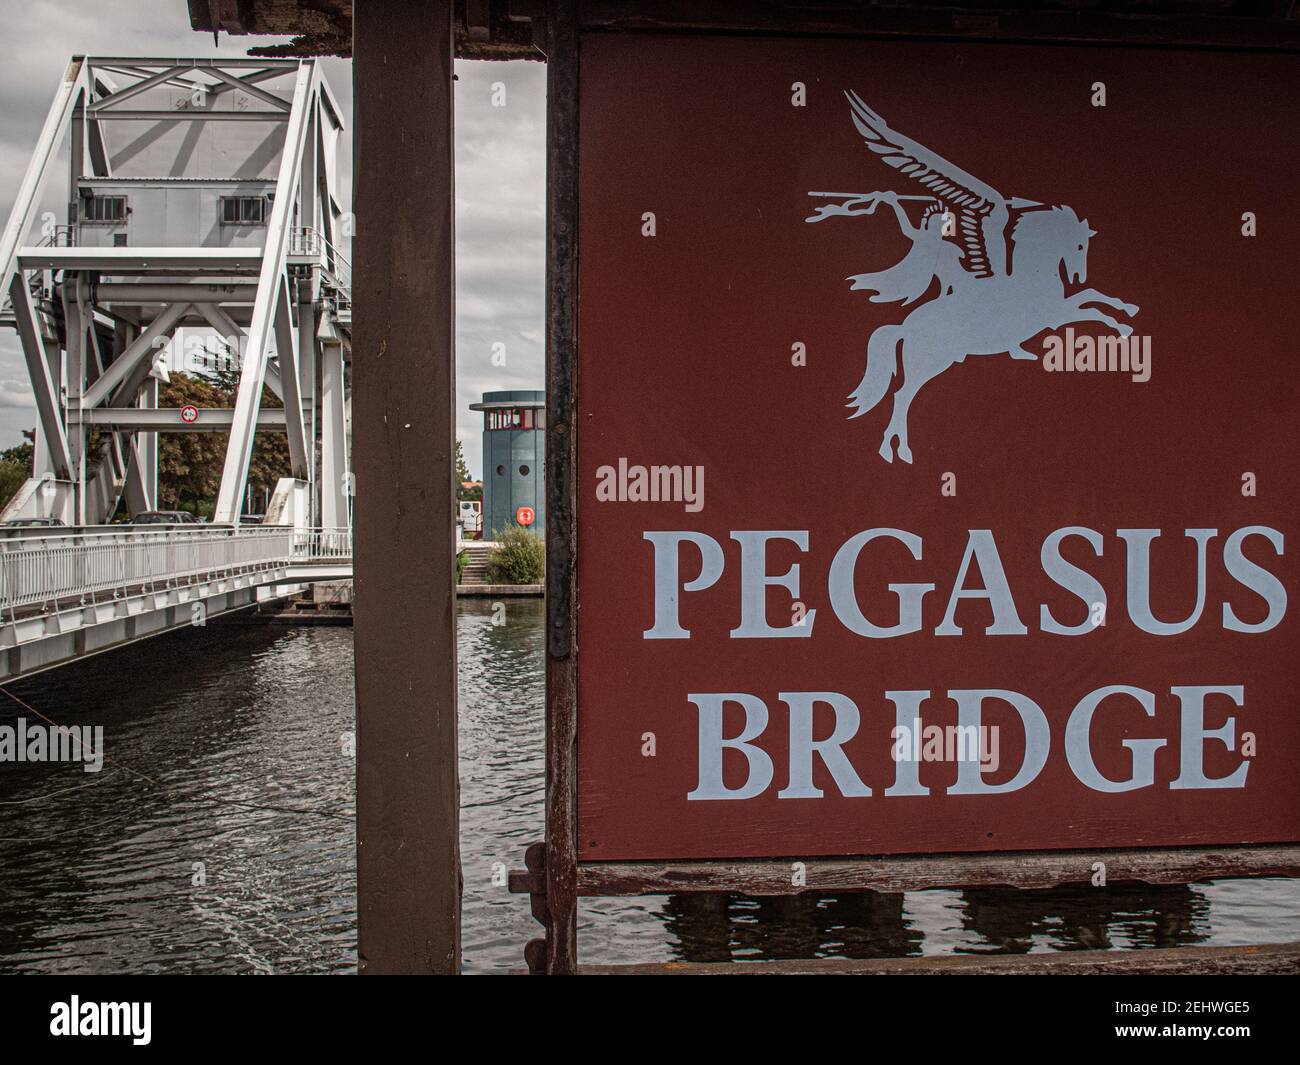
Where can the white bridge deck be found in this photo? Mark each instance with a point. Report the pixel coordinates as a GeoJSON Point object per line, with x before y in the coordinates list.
{"type": "Point", "coordinates": [65, 595]}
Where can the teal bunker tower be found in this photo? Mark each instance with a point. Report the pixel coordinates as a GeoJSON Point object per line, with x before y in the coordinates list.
{"type": "Point", "coordinates": [514, 457]}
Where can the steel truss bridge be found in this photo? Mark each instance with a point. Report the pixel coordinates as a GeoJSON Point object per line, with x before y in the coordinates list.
{"type": "Point", "coordinates": [195, 227]}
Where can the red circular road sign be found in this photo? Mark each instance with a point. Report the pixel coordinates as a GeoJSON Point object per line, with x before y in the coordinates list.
{"type": "Point", "coordinates": [525, 515]}
{"type": "Point", "coordinates": [189, 413]}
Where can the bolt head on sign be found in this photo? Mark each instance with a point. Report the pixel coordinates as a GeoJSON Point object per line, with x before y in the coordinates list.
{"type": "Point", "coordinates": [525, 515]}
{"type": "Point", "coordinates": [189, 413]}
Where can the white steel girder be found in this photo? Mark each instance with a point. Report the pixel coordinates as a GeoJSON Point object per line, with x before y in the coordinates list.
{"type": "Point", "coordinates": [270, 288]}
{"type": "Point", "coordinates": [71, 89]}
{"type": "Point", "coordinates": [286, 344]}
{"type": "Point", "coordinates": [45, 387]}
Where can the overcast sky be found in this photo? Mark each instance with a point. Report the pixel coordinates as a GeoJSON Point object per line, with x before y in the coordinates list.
{"type": "Point", "coordinates": [500, 181]}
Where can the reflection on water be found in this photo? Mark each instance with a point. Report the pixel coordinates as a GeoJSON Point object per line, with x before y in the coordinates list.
{"type": "Point", "coordinates": [502, 772]}
{"type": "Point", "coordinates": [733, 928]}
{"type": "Point", "coordinates": [219, 835]}
{"type": "Point", "coordinates": [984, 921]}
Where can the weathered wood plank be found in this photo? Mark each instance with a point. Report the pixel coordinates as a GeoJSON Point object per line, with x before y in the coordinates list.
{"type": "Point", "coordinates": [408, 863]}
{"type": "Point", "coordinates": [1175, 25]}
{"type": "Point", "coordinates": [1268, 959]}
{"type": "Point", "coordinates": [323, 26]}
{"type": "Point", "coordinates": [1021, 869]}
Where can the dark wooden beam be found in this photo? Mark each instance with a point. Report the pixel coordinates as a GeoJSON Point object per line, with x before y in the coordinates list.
{"type": "Point", "coordinates": [499, 29]}
{"type": "Point", "coordinates": [403, 401]}
{"type": "Point", "coordinates": [1266, 959]}
{"type": "Point", "coordinates": [1024, 869]}
{"type": "Point", "coordinates": [1159, 23]}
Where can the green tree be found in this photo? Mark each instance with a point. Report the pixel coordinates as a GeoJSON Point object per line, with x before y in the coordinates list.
{"type": "Point", "coordinates": [462, 467]}
{"type": "Point", "coordinates": [463, 476]}
{"type": "Point", "coordinates": [13, 476]}
{"type": "Point", "coordinates": [15, 467]}
{"type": "Point", "coordinates": [23, 453]}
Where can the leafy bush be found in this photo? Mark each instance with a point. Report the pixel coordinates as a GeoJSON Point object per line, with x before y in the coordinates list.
{"type": "Point", "coordinates": [461, 558]}
{"type": "Point", "coordinates": [518, 558]}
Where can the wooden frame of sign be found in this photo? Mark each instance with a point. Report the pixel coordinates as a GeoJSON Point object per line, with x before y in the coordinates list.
{"type": "Point", "coordinates": [554, 875]}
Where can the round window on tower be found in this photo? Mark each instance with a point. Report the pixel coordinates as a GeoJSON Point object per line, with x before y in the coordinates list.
{"type": "Point", "coordinates": [501, 471]}
{"type": "Point", "coordinates": [523, 471]}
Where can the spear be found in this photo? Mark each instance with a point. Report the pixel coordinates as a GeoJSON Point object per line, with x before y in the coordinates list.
{"type": "Point", "coordinates": [864, 196]}
{"type": "Point", "coordinates": [851, 198]}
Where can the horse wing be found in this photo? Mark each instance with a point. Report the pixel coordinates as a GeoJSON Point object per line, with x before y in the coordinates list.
{"type": "Point", "coordinates": [971, 199]}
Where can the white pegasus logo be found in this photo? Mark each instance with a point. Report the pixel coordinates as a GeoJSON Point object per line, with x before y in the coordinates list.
{"type": "Point", "coordinates": [998, 264]}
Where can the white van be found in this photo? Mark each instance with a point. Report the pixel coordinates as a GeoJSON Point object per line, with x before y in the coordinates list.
{"type": "Point", "coordinates": [470, 518]}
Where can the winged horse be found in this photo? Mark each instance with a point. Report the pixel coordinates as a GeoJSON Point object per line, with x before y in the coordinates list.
{"type": "Point", "coordinates": [998, 264]}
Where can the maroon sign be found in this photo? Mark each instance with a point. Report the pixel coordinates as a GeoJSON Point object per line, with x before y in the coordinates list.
{"type": "Point", "coordinates": [525, 516]}
{"type": "Point", "coordinates": [936, 448]}
{"type": "Point", "coordinates": [189, 414]}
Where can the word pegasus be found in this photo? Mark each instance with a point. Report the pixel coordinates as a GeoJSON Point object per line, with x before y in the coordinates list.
{"type": "Point", "coordinates": [981, 553]}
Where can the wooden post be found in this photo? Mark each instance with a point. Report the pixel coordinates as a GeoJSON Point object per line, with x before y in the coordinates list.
{"type": "Point", "coordinates": [561, 487]}
{"type": "Point", "coordinates": [408, 858]}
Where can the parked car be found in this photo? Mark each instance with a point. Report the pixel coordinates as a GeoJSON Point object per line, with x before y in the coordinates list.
{"type": "Point", "coordinates": [33, 523]}
{"type": "Point", "coordinates": [165, 517]}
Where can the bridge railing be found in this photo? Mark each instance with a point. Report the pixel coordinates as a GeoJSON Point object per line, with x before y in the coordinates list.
{"type": "Point", "coordinates": [308, 241]}
{"type": "Point", "coordinates": [89, 566]}
{"type": "Point", "coordinates": [313, 544]}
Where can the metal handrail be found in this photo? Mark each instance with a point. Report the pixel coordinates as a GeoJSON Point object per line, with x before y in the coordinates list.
{"type": "Point", "coordinates": [62, 237]}
{"type": "Point", "coordinates": [307, 240]}
{"type": "Point", "coordinates": [311, 544]}
{"type": "Point", "coordinates": [44, 570]}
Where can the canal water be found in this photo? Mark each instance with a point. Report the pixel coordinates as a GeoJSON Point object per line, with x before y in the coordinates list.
{"type": "Point", "coordinates": [218, 836]}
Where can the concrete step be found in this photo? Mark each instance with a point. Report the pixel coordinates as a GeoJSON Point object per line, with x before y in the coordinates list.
{"type": "Point", "coordinates": [475, 571]}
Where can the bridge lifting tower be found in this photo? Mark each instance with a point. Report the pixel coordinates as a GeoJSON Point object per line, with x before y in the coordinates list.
{"type": "Point", "coordinates": [201, 205]}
